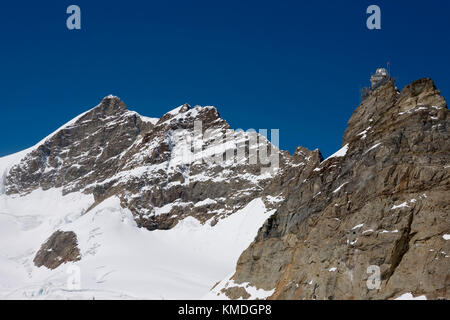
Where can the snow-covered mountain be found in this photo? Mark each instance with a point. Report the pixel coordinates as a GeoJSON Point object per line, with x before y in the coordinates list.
{"type": "Point", "coordinates": [117, 205]}
{"type": "Point", "coordinates": [115, 194]}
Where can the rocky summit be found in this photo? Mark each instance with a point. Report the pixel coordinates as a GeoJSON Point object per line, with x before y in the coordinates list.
{"type": "Point", "coordinates": [372, 221]}
{"type": "Point", "coordinates": [110, 151]}
{"type": "Point", "coordinates": [380, 203]}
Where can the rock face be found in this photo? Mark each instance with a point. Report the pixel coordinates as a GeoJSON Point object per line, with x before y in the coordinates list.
{"type": "Point", "coordinates": [60, 248]}
{"type": "Point", "coordinates": [382, 202]}
{"type": "Point", "coordinates": [163, 170]}
{"type": "Point", "coordinates": [85, 151]}
{"type": "Point", "coordinates": [167, 181]}
{"type": "Point", "coordinates": [379, 205]}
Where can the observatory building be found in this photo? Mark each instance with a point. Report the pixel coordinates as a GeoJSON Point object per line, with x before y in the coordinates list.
{"type": "Point", "coordinates": [380, 77]}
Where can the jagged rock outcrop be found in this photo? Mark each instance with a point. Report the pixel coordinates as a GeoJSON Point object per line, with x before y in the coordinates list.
{"type": "Point", "coordinates": [60, 248]}
{"type": "Point", "coordinates": [162, 170]}
{"type": "Point", "coordinates": [382, 200]}
{"type": "Point", "coordinates": [174, 182]}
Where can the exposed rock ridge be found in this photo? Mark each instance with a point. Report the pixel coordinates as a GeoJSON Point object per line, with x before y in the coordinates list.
{"type": "Point", "coordinates": [382, 200]}
{"type": "Point", "coordinates": [111, 151]}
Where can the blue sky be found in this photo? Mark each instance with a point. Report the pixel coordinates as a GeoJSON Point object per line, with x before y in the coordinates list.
{"type": "Point", "coordinates": [286, 65]}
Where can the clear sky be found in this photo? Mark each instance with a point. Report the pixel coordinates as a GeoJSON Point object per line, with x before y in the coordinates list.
{"type": "Point", "coordinates": [297, 66]}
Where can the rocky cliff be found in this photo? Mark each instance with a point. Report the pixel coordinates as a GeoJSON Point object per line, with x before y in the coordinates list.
{"type": "Point", "coordinates": [151, 165]}
{"type": "Point", "coordinates": [369, 222]}
{"type": "Point", "coordinates": [381, 203]}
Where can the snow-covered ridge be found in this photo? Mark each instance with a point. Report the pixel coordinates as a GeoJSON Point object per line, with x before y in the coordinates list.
{"type": "Point", "coordinates": [8, 161]}
{"type": "Point", "coordinates": [99, 116]}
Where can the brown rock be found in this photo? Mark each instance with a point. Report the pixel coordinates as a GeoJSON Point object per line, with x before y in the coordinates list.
{"type": "Point", "coordinates": [60, 248]}
{"type": "Point", "coordinates": [385, 203]}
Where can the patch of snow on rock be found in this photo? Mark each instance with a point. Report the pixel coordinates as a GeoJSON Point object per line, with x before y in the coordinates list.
{"type": "Point", "coordinates": [339, 154]}
{"type": "Point", "coordinates": [402, 205]}
{"type": "Point", "coordinates": [409, 296]}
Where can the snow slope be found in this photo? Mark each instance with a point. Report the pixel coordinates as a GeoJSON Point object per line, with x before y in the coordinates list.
{"type": "Point", "coordinates": [119, 260]}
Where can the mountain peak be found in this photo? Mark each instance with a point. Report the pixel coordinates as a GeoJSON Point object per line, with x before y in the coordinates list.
{"type": "Point", "coordinates": [181, 109]}
{"type": "Point", "coordinates": [184, 116]}
{"type": "Point", "coordinates": [110, 105]}
{"type": "Point", "coordinates": [425, 91]}
{"type": "Point", "coordinates": [111, 96]}
{"type": "Point", "coordinates": [385, 107]}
